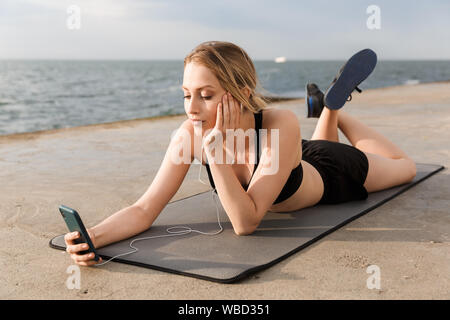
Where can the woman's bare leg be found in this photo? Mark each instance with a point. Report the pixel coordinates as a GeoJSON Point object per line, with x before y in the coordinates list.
{"type": "Point", "coordinates": [327, 126]}
{"type": "Point", "coordinates": [367, 139]}
{"type": "Point", "coordinates": [389, 166]}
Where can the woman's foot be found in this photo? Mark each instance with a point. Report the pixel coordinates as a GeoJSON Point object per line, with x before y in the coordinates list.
{"type": "Point", "coordinates": [314, 100]}
{"type": "Point", "coordinates": [355, 71]}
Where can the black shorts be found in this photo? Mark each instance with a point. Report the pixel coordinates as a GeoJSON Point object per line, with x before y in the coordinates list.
{"type": "Point", "coordinates": [343, 169]}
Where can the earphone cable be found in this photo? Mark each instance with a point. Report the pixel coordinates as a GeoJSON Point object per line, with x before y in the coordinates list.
{"type": "Point", "coordinates": [185, 230]}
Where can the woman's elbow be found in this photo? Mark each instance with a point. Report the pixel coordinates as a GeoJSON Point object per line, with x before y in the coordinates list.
{"type": "Point", "coordinates": [247, 226]}
{"type": "Point", "coordinates": [244, 231]}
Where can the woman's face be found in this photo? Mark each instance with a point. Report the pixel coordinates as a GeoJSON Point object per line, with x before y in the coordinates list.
{"type": "Point", "coordinates": [202, 94]}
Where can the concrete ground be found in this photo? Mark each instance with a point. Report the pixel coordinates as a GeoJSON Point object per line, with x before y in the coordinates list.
{"type": "Point", "coordinates": [100, 169]}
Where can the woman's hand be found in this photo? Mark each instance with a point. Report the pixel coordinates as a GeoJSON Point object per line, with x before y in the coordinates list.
{"type": "Point", "coordinates": [228, 117]}
{"type": "Point", "coordinates": [74, 249]}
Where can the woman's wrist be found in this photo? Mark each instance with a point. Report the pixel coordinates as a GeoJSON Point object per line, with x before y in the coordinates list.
{"type": "Point", "coordinates": [228, 156]}
{"type": "Point", "coordinates": [93, 237]}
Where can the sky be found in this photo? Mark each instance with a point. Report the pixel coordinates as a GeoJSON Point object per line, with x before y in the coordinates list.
{"type": "Point", "coordinates": [170, 29]}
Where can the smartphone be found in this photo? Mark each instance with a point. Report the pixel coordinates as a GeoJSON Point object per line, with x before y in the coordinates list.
{"type": "Point", "coordinates": [74, 223]}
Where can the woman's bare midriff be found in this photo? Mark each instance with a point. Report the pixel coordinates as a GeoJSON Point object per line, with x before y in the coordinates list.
{"type": "Point", "coordinates": [308, 194]}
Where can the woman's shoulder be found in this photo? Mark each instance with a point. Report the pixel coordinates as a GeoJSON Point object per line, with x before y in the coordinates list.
{"type": "Point", "coordinates": [276, 118]}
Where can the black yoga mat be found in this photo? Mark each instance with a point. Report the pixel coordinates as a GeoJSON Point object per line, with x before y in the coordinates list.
{"type": "Point", "coordinates": [227, 257]}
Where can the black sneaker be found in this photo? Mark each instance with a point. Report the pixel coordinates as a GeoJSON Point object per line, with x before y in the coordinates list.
{"type": "Point", "coordinates": [355, 71]}
{"type": "Point", "coordinates": [314, 100]}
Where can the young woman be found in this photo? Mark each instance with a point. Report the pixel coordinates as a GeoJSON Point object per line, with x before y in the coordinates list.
{"type": "Point", "coordinates": [220, 93]}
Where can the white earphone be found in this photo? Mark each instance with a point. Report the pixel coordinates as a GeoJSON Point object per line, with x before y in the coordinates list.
{"type": "Point", "coordinates": [185, 230]}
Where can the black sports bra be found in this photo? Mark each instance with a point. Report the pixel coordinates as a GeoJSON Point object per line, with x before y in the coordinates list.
{"type": "Point", "coordinates": [292, 184]}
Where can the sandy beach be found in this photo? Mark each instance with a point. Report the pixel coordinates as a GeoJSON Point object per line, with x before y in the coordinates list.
{"type": "Point", "coordinates": [100, 169]}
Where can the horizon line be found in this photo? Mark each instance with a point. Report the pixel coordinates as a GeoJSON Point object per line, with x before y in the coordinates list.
{"type": "Point", "coordinates": [157, 59]}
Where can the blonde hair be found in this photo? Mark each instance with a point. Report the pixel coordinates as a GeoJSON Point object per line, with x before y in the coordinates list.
{"type": "Point", "coordinates": [233, 68]}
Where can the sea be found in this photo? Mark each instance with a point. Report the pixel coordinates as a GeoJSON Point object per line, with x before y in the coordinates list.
{"type": "Point", "coordinates": [39, 95]}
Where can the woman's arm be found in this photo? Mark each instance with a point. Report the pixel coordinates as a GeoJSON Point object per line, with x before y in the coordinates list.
{"type": "Point", "coordinates": [246, 209]}
{"type": "Point", "coordinates": [140, 216]}
{"type": "Point", "coordinates": [121, 225]}
{"type": "Point", "coordinates": [237, 203]}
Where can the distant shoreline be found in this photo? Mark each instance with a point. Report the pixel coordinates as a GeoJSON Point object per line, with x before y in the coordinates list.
{"type": "Point", "coordinates": [35, 134]}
